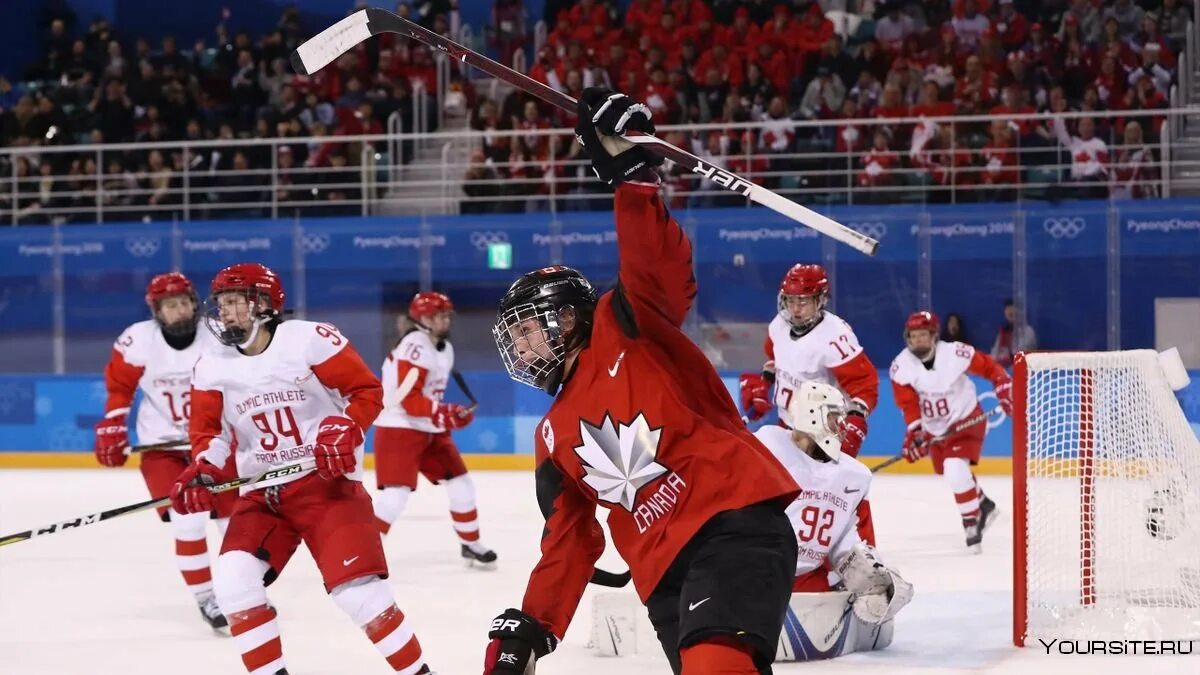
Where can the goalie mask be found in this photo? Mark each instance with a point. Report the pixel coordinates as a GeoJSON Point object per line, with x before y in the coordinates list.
{"type": "Point", "coordinates": [543, 316]}
{"type": "Point", "coordinates": [802, 297]}
{"type": "Point", "coordinates": [817, 410]}
{"type": "Point", "coordinates": [244, 298]}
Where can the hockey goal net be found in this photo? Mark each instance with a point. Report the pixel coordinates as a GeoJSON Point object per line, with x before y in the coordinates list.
{"type": "Point", "coordinates": [1106, 496]}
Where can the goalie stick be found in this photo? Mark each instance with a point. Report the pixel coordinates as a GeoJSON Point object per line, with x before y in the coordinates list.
{"type": "Point", "coordinates": [344, 35]}
{"type": "Point", "coordinates": [965, 424]}
{"type": "Point", "coordinates": [101, 516]}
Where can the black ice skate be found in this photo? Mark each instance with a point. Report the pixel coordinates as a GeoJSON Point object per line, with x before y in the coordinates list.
{"type": "Point", "coordinates": [212, 613]}
{"type": "Point", "coordinates": [478, 554]}
{"type": "Point", "coordinates": [975, 527]}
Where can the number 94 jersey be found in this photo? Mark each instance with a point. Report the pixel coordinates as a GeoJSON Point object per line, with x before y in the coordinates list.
{"type": "Point", "coordinates": [826, 513]}
{"type": "Point", "coordinates": [269, 406]}
{"type": "Point", "coordinates": [142, 359]}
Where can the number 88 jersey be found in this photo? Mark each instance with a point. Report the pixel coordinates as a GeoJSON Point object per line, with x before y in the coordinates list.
{"type": "Point", "coordinates": [142, 359]}
{"type": "Point", "coordinates": [943, 392]}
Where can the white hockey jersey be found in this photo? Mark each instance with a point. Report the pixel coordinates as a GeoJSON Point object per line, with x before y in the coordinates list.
{"type": "Point", "coordinates": [415, 366]}
{"type": "Point", "coordinates": [825, 515]}
{"type": "Point", "coordinates": [809, 358]}
{"type": "Point", "coordinates": [142, 359]}
{"type": "Point", "coordinates": [271, 404]}
{"type": "Point", "coordinates": [946, 394]}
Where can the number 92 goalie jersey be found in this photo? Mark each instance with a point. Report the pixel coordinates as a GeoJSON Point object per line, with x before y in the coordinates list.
{"type": "Point", "coordinates": [643, 426]}
{"type": "Point", "coordinates": [826, 514]}
{"type": "Point", "coordinates": [142, 359]}
{"type": "Point", "coordinates": [273, 403]}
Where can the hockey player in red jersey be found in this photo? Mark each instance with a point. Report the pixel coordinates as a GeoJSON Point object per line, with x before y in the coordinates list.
{"type": "Point", "coordinates": [157, 356]}
{"type": "Point", "coordinates": [945, 421]}
{"type": "Point", "coordinates": [642, 425]}
{"type": "Point", "coordinates": [412, 434]}
{"type": "Point", "coordinates": [287, 391]}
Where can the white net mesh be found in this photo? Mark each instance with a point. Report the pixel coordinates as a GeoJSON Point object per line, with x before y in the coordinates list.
{"type": "Point", "coordinates": [1112, 495]}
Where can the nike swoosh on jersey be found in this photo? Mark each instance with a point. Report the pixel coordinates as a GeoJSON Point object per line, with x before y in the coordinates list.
{"type": "Point", "coordinates": [347, 563]}
{"type": "Point", "coordinates": [694, 605]}
{"type": "Point", "coordinates": [612, 372]}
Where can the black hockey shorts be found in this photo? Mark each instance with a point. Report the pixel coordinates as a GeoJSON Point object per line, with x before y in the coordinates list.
{"type": "Point", "coordinates": [733, 578]}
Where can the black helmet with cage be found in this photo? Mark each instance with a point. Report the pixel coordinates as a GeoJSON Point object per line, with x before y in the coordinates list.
{"type": "Point", "coordinates": [544, 315]}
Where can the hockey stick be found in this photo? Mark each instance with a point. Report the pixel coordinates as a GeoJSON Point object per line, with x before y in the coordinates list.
{"type": "Point", "coordinates": [462, 384]}
{"type": "Point", "coordinates": [165, 445]}
{"type": "Point", "coordinates": [610, 579]}
{"type": "Point", "coordinates": [960, 426]}
{"type": "Point", "coordinates": [344, 35]}
{"type": "Point", "coordinates": [93, 518]}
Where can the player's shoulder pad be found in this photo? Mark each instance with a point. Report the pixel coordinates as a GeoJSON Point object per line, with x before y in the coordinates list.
{"type": "Point", "coordinates": [134, 342]}
{"type": "Point", "coordinates": [778, 324]}
{"type": "Point", "coordinates": [317, 341]}
{"type": "Point", "coordinates": [416, 347]}
{"type": "Point", "coordinates": [855, 467]}
{"type": "Point", "coordinates": [779, 441]}
{"type": "Point", "coordinates": [902, 368]}
{"type": "Point", "coordinates": [954, 356]}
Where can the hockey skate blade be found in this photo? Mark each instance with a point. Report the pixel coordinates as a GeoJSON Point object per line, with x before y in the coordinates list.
{"type": "Point", "coordinates": [975, 549]}
{"type": "Point", "coordinates": [482, 566]}
{"type": "Point", "coordinates": [996, 515]}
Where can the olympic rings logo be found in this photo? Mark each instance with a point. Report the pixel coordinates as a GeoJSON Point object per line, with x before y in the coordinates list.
{"type": "Point", "coordinates": [314, 243]}
{"type": "Point", "coordinates": [142, 247]}
{"type": "Point", "coordinates": [1064, 228]}
{"type": "Point", "coordinates": [481, 240]}
{"type": "Point", "coordinates": [875, 230]}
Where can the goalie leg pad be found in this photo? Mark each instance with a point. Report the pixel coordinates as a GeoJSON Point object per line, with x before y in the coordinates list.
{"type": "Point", "coordinates": [822, 626]}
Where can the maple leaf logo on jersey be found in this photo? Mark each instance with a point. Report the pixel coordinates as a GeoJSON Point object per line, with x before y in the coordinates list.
{"type": "Point", "coordinates": [618, 459]}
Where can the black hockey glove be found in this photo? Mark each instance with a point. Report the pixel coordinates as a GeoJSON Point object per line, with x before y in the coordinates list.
{"type": "Point", "coordinates": [518, 641]}
{"type": "Point", "coordinates": [604, 115]}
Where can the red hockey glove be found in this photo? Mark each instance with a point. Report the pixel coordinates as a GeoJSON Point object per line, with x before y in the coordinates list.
{"type": "Point", "coordinates": [853, 430]}
{"type": "Point", "coordinates": [112, 441]}
{"type": "Point", "coordinates": [916, 443]}
{"type": "Point", "coordinates": [756, 395]}
{"type": "Point", "coordinates": [190, 493]}
{"type": "Point", "coordinates": [337, 438]}
{"type": "Point", "coordinates": [450, 416]}
{"type": "Point", "coordinates": [1004, 397]}
{"type": "Point", "coordinates": [518, 640]}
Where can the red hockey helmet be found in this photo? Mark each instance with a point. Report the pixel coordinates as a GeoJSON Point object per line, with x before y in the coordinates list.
{"type": "Point", "coordinates": [250, 277]}
{"type": "Point", "coordinates": [429, 303]}
{"type": "Point", "coordinates": [922, 321]}
{"type": "Point", "coordinates": [166, 285]}
{"type": "Point", "coordinates": [804, 280]}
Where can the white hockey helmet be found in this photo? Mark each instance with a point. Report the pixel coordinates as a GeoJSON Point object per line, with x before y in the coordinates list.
{"type": "Point", "coordinates": [817, 410]}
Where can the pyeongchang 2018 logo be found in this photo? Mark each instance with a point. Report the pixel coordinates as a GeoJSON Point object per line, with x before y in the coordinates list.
{"type": "Point", "coordinates": [1119, 647]}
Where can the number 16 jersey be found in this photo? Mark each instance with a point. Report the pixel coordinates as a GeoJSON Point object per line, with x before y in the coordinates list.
{"type": "Point", "coordinates": [268, 407]}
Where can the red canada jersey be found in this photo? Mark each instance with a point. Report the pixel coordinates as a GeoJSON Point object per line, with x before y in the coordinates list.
{"type": "Point", "coordinates": [643, 426]}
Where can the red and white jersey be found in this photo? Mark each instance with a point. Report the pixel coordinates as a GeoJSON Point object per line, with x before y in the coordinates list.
{"type": "Point", "coordinates": [826, 514]}
{"type": "Point", "coordinates": [415, 376]}
{"type": "Point", "coordinates": [828, 353]}
{"type": "Point", "coordinates": [941, 395]}
{"type": "Point", "coordinates": [269, 406]}
{"type": "Point", "coordinates": [142, 359]}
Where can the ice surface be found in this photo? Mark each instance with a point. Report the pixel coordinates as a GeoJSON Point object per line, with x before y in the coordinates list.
{"type": "Point", "coordinates": [107, 599]}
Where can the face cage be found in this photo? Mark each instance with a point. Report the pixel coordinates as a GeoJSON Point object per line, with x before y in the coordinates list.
{"type": "Point", "coordinates": [533, 371]}
{"type": "Point", "coordinates": [235, 336]}
{"type": "Point", "coordinates": [781, 304]}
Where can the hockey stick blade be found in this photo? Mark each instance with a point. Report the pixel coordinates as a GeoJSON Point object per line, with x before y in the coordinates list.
{"type": "Point", "coordinates": [610, 579]}
{"type": "Point", "coordinates": [101, 516]}
{"type": "Point", "coordinates": [344, 35]}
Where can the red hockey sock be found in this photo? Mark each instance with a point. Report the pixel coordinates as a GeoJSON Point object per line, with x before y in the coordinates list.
{"type": "Point", "coordinates": [383, 525]}
{"type": "Point", "coordinates": [257, 636]}
{"type": "Point", "coordinates": [395, 640]}
{"type": "Point", "coordinates": [718, 655]}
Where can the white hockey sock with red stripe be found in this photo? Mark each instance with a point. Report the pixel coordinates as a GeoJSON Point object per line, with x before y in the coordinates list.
{"type": "Point", "coordinates": [191, 551]}
{"type": "Point", "coordinates": [465, 518]}
{"type": "Point", "coordinates": [256, 633]}
{"type": "Point", "coordinates": [966, 489]}
{"type": "Point", "coordinates": [369, 603]}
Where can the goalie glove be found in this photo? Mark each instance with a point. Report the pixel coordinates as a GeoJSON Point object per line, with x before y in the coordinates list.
{"type": "Point", "coordinates": [880, 592]}
{"type": "Point", "coordinates": [517, 642]}
{"type": "Point", "coordinates": [604, 116]}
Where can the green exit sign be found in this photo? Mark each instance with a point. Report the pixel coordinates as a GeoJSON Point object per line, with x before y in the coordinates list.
{"type": "Point", "coordinates": [499, 256]}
